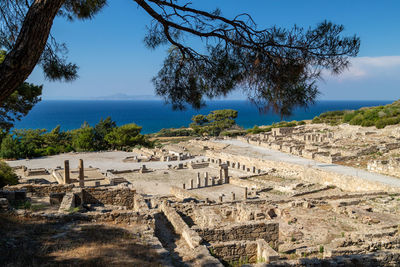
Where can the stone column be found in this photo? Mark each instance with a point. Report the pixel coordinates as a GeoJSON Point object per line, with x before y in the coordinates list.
{"type": "Point", "coordinates": [198, 180]}
{"type": "Point", "coordinates": [238, 165]}
{"type": "Point", "coordinates": [254, 169]}
{"type": "Point", "coordinates": [67, 179]}
{"type": "Point", "coordinates": [191, 184]}
{"type": "Point", "coordinates": [213, 181]}
{"type": "Point", "coordinates": [81, 174]}
{"type": "Point", "coordinates": [226, 176]}
{"type": "Point", "coordinates": [220, 174]}
{"type": "Point", "coordinates": [245, 193]}
{"type": "Point", "coordinates": [205, 181]}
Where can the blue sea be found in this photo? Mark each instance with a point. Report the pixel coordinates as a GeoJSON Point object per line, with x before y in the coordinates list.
{"type": "Point", "coordinates": [154, 115]}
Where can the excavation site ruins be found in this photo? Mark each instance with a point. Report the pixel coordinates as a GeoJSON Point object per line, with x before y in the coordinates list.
{"type": "Point", "coordinates": [301, 196]}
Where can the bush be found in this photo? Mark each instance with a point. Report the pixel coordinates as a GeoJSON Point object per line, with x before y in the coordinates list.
{"type": "Point", "coordinates": [368, 116]}
{"type": "Point", "coordinates": [7, 175]}
{"type": "Point", "coordinates": [380, 124]}
{"type": "Point", "coordinates": [316, 120]}
{"type": "Point", "coordinates": [367, 123]}
{"type": "Point", "coordinates": [175, 132]}
{"type": "Point", "coordinates": [357, 120]}
{"type": "Point", "coordinates": [348, 116]}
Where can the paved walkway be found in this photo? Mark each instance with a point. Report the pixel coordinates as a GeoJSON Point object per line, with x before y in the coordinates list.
{"type": "Point", "coordinates": [274, 155]}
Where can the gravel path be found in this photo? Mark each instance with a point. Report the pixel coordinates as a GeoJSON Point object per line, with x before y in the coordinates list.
{"type": "Point", "coordinates": [270, 154]}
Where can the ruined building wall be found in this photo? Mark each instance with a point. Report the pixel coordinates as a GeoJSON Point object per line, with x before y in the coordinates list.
{"type": "Point", "coordinates": [307, 173]}
{"type": "Point", "coordinates": [234, 251]}
{"type": "Point", "coordinates": [269, 231]}
{"type": "Point", "coordinates": [110, 196]}
{"type": "Point", "coordinates": [40, 190]}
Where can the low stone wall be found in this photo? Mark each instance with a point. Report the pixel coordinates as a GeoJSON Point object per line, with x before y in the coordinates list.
{"type": "Point", "coordinates": [182, 194]}
{"type": "Point", "coordinates": [234, 251]}
{"type": "Point", "coordinates": [199, 165]}
{"type": "Point", "coordinates": [244, 182]}
{"type": "Point", "coordinates": [388, 167]}
{"type": "Point", "coordinates": [310, 174]}
{"type": "Point", "coordinates": [380, 258]}
{"type": "Point", "coordinates": [244, 251]}
{"type": "Point", "coordinates": [191, 237]}
{"type": "Point", "coordinates": [40, 190]}
{"type": "Point", "coordinates": [33, 172]}
{"type": "Point", "coordinates": [269, 231]}
{"type": "Point", "coordinates": [208, 144]}
{"type": "Point", "coordinates": [118, 196]}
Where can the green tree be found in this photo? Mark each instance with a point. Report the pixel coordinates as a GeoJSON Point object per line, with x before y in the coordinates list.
{"type": "Point", "coordinates": [83, 138]}
{"type": "Point", "coordinates": [57, 141]}
{"type": "Point", "coordinates": [215, 122]}
{"type": "Point", "coordinates": [127, 135]}
{"type": "Point", "coordinates": [101, 129]}
{"type": "Point", "coordinates": [30, 142]}
{"type": "Point", "coordinates": [9, 148]}
{"type": "Point", "coordinates": [7, 175]}
{"type": "Point", "coordinates": [278, 68]}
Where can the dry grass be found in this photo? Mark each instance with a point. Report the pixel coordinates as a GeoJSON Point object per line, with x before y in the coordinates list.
{"type": "Point", "coordinates": [27, 242]}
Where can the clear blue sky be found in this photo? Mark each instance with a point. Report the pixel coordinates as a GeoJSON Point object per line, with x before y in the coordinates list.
{"type": "Point", "coordinates": [113, 59]}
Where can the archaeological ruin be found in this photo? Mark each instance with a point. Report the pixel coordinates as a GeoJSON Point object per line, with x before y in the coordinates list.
{"type": "Point", "coordinates": [272, 199]}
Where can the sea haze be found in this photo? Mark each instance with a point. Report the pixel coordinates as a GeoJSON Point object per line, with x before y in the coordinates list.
{"type": "Point", "coordinates": [154, 115]}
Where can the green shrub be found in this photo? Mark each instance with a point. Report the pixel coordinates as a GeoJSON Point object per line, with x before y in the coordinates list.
{"type": "Point", "coordinates": [356, 120]}
{"type": "Point", "coordinates": [348, 116]}
{"type": "Point", "coordinates": [316, 120]}
{"type": "Point", "coordinates": [380, 124]}
{"type": "Point", "coordinates": [175, 132]}
{"type": "Point", "coordinates": [7, 175]}
{"type": "Point", "coordinates": [367, 123]}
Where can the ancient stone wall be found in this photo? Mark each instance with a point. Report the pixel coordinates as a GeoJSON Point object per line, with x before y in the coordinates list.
{"type": "Point", "coordinates": [118, 196]}
{"type": "Point", "coordinates": [388, 167]}
{"type": "Point", "coordinates": [41, 190]}
{"type": "Point", "coordinates": [269, 231]}
{"type": "Point", "coordinates": [234, 251]}
{"type": "Point", "coordinates": [191, 237]}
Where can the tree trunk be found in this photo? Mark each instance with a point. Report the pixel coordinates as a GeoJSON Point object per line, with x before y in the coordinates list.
{"type": "Point", "coordinates": [31, 41]}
